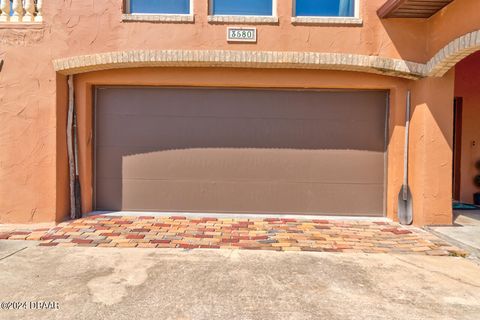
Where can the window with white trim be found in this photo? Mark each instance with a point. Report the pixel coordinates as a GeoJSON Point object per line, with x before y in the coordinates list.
{"type": "Point", "coordinates": [242, 7]}
{"type": "Point", "coordinates": [326, 8]}
{"type": "Point", "coordinates": [159, 6]}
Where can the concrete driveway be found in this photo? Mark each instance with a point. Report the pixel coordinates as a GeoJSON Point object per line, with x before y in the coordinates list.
{"type": "Point", "coordinates": [465, 233]}
{"type": "Point", "coordinates": [114, 283]}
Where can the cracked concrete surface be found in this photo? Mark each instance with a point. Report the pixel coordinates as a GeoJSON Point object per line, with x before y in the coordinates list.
{"type": "Point", "coordinates": [112, 283]}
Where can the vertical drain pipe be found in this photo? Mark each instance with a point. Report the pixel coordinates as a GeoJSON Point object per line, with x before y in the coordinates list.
{"type": "Point", "coordinates": [70, 147]}
{"type": "Point", "coordinates": [78, 203]}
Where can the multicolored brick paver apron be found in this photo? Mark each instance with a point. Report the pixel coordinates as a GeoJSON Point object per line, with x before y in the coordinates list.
{"type": "Point", "coordinates": [258, 234]}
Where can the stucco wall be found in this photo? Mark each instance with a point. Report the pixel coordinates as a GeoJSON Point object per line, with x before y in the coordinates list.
{"type": "Point", "coordinates": [33, 172]}
{"type": "Point", "coordinates": [467, 82]}
{"type": "Point", "coordinates": [431, 156]}
{"type": "Point", "coordinates": [456, 19]}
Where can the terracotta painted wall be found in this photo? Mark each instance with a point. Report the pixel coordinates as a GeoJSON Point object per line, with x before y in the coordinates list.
{"type": "Point", "coordinates": [458, 18]}
{"type": "Point", "coordinates": [431, 152]}
{"type": "Point", "coordinates": [467, 85]}
{"type": "Point", "coordinates": [33, 97]}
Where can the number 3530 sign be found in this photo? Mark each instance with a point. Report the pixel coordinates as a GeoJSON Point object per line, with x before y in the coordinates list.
{"type": "Point", "coordinates": [237, 34]}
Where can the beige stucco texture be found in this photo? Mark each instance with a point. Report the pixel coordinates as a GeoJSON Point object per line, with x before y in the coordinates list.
{"type": "Point", "coordinates": [33, 95]}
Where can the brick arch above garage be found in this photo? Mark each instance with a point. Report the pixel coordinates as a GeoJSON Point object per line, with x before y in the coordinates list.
{"type": "Point", "coordinates": [453, 53]}
{"type": "Point", "coordinates": [240, 59]}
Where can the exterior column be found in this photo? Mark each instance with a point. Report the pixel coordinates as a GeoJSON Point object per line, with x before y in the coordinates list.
{"type": "Point", "coordinates": [29, 11]}
{"type": "Point", "coordinates": [5, 8]}
{"type": "Point", "coordinates": [17, 6]}
{"type": "Point", "coordinates": [39, 16]}
{"type": "Point", "coordinates": [431, 145]}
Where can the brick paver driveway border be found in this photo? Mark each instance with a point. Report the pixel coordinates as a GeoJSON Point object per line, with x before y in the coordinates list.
{"type": "Point", "coordinates": [255, 234]}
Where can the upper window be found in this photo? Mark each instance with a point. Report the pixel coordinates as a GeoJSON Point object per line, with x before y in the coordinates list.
{"type": "Point", "coordinates": [242, 7]}
{"type": "Point", "coordinates": [159, 6]}
{"type": "Point", "coordinates": [325, 8]}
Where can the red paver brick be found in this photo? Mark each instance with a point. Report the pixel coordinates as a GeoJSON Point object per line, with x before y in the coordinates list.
{"type": "Point", "coordinates": [321, 221]}
{"type": "Point", "coordinates": [160, 241]}
{"type": "Point", "coordinates": [259, 238]}
{"type": "Point", "coordinates": [401, 232]}
{"type": "Point", "coordinates": [162, 225]}
{"type": "Point", "coordinates": [178, 218]}
{"type": "Point", "coordinates": [135, 236]}
{"type": "Point", "coordinates": [123, 222]}
{"type": "Point", "coordinates": [82, 241]}
{"type": "Point", "coordinates": [224, 240]}
{"type": "Point", "coordinates": [209, 219]}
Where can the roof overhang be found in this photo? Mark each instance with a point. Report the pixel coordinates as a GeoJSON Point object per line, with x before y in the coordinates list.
{"type": "Point", "coordinates": [411, 8]}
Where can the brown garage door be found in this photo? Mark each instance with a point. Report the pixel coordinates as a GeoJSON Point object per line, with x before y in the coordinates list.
{"type": "Point", "coordinates": [242, 151]}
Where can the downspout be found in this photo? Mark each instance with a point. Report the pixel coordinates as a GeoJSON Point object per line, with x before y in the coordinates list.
{"type": "Point", "coordinates": [73, 153]}
{"type": "Point", "coordinates": [78, 203]}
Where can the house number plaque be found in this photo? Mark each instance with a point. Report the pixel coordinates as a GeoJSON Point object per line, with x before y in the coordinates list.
{"type": "Point", "coordinates": [239, 34]}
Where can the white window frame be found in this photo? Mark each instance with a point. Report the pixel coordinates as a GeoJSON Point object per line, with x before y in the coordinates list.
{"type": "Point", "coordinates": [256, 19]}
{"type": "Point", "coordinates": [158, 17]}
{"type": "Point", "coordinates": [355, 20]}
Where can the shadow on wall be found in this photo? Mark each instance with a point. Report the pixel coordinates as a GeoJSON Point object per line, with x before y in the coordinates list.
{"type": "Point", "coordinates": [191, 137]}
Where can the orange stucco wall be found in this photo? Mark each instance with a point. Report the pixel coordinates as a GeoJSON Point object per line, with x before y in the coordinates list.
{"type": "Point", "coordinates": [33, 161]}
{"type": "Point", "coordinates": [467, 83]}
{"type": "Point", "coordinates": [431, 156]}
{"type": "Point", "coordinates": [453, 21]}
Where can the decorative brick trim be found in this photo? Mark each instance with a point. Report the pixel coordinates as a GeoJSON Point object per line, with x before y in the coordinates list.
{"type": "Point", "coordinates": [453, 53]}
{"type": "Point", "coordinates": [179, 18]}
{"type": "Point", "coordinates": [351, 21]}
{"type": "Point", "coordinates": [239, 59]}
{"type": "Point", "coordinates": [243, 19]}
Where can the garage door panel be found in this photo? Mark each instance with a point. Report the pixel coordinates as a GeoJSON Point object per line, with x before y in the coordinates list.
{"type": "Point", "coordinates": [197, 102]}
{"type": "Point", "coordinates": [172, 133]}
{"type": "Point", "coordinates": [221, 196]}
{"type": "Point", "coordinates": [243, 164]}
{"type": "Point", "coordinates": [229, 150]}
